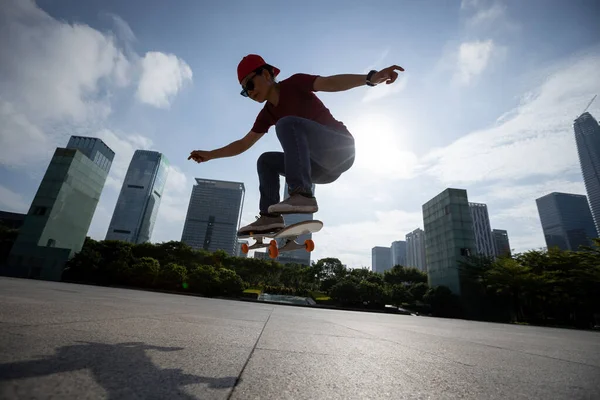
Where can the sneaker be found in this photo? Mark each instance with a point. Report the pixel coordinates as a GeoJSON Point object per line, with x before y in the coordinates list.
{"type": "Point", "coordinates": [295, 204]}
{"type": "Point", "coordinates": [263, 224]}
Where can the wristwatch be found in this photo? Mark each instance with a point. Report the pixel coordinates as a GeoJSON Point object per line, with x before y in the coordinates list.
{"type": "Point", "coordinates": [369, 75]}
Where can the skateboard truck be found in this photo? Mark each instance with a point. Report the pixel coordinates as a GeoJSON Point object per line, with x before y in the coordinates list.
{"type": "Point", "coordinates": [290, 233]}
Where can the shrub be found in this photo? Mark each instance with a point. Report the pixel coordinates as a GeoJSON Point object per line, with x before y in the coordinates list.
{"type": "Point", "coordinates": [145, 271]}
{"type": "Point", "coordinates": [172, 276]}
{"type": "Point", "coordinates": [204, 280]}
{"type": "Point", "coordinates": [230, 283]}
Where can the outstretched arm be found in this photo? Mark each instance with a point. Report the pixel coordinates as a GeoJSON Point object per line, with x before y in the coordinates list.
{"type": "Point", "coordinates": [232, 149]}
{"type": "Point", "coordinates": [339, 83]}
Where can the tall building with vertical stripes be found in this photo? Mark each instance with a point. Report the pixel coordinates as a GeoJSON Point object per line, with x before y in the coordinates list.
{"type": "Point", "coordinates": [484, 238]}
{"type": "Point", "coordinates": [415, 250]}
{"type": "Point", "coordinates": [213, 216]}
{"type": "Point", "coordinates": [587, 138]}
{"type": "Point", "coordinates": [137, 206]}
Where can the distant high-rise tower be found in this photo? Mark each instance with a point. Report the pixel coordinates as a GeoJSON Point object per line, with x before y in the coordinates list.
{"type": "Point", "coordinates": [415, 252]}
{"type": "Point", "coordinates": [587, 137]}
{"type": "Point", "coordinates": [501, 243]}
{"type": "Point", "coordinates": [483, 231]}
{"type": "Point", "coordinates": [213, 215]}
{"type": "Point", "coordinates": [62, 209]}
{"type": "Point", "coordinates": [450, 237]}
{"type": "Point", "coordinates": [398, 255]}
{"type": "Point", "coordinates": [381, 259]}
{"type": "Point", "coordinates": [566, 220]}
{"type": "Point", "coordinates": [135, 213]}
{"type": "Point", "coordinates": [300, 256]}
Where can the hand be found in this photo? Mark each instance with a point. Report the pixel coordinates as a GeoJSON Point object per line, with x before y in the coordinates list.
{"type": "Point", "coordinates": [200, 156]}
{"type": "Point", "coordinates": [388, 75]}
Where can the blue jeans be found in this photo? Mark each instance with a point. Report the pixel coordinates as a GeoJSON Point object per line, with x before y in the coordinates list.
{"type": "Point", "coordinates": [312, 153]}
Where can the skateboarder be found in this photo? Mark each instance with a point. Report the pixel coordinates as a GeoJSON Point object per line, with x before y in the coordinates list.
{"type": "Point", "coordinates": [316, 147]}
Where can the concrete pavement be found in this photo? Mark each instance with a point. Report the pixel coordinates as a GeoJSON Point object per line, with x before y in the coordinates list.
{"type": "Point", "coordinates": [71, 341]}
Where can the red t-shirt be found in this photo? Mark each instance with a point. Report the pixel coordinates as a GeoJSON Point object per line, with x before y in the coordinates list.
{"type": "Point", "coordinates": [297, 98]}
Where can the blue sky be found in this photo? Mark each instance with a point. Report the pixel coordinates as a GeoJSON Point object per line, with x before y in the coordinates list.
{"type": "Point", "coordinates": [486, 102]}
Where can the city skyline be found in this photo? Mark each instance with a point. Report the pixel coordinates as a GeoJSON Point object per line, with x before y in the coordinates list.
{"type": "Point", "coordinates": [507, 132]}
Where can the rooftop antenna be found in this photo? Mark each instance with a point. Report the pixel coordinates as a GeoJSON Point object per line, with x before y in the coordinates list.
{"type": "Point", "coordinates": [590, 103]}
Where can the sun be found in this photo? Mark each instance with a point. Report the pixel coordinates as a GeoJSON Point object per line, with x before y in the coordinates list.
{"type": "Point", "coordinates": [381, 146]}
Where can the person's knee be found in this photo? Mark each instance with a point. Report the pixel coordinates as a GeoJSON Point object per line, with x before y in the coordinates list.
{"type": "Point", "coordinates": [265, 160]}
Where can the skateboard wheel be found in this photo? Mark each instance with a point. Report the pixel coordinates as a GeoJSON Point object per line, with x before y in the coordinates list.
{"type": "Point", "coordinates": [273, 252]}
{"type": "Point", "coordinates": [309, 245]}
{"type": "Point", "coordinates": [244, 248]}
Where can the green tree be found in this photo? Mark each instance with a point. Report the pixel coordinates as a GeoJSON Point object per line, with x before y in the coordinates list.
{"type": "Point", "coordinates": [372, 293]}
{"type": "Point", "coordinates": [346, 292]}
{"type": "Point", "coordinates": [204, 280]}
{"type": "Point", "coordinates": [172, 276]}
{"type": "Point", "coordinates": [229, 282]}
{"type": "Point", "coordinates": [399, 294]}
{"type": "Point", "coordinates": [145, 271]}
{"type": "Point", "coordinates": [399, 274]}
{"type": "Point", "coordinates": [418, 290]}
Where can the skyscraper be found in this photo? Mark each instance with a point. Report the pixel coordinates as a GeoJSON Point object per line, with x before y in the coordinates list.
{"type": "Point", "coordinates": [483, 231]}
{"type": "Point", "coordinates": [587, 137]}
{"type": "Point", "coordinates": [450, 237]}
{"type": "Point", "coordinates": [566, 220]}
{"type": "Point", "coordinates": [135, 213]}
{"type": "Point", "coordinates": [381, 259]}
{"type": "Point", "coordinates": [415, 249]}
{"type": "Point", "coordinates": [213, 215]}
{"type": "Point", "coordinates": [501, 243]}
{"type": "Point", "coordinates": [299, 256]}
{"type": "Point", "coordinates": [398, 255]}
{"type": "Point", "coordinates": [60, 214]}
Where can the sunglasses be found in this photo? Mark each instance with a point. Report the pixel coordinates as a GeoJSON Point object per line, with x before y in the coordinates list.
{"type": "Point", "coordinates": [250, 84]}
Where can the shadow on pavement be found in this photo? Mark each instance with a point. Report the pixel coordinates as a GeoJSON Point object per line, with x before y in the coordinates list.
{"type": "Point", "coordinates": [123, 370]}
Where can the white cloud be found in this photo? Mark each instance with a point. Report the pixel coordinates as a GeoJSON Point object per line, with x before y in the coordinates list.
{"type": "Point", "coordinates": [20, 139]}
{"type": "Point", "coordinates": [11, 201]}
{"type": "Point", "coordinates": [488, 16]}
{"type": "Point", "coordinates": [473, 58]}
{"type": "Point", "coordinates": [59, 79]}
{"type": "Point", "coordinates": [535, 138]}
{"type": "Point", "coordinates": [163, 75]}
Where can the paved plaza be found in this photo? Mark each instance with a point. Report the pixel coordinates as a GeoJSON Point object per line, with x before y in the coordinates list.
{"type": "Point", "coordinates": [67, 341]}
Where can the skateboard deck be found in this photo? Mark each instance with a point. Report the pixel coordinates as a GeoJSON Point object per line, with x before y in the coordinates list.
{"type": "Point", "coordinates": [289, 233]}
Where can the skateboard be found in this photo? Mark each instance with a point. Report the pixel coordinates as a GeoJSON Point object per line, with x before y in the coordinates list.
{"type": "Point", "coordinates": [289, 233]}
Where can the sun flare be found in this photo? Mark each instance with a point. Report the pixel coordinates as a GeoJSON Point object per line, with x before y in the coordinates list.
{"type": "Point", "coordinates": [381, 146]}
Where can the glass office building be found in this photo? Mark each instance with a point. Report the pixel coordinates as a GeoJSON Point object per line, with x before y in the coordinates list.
{"type": "Point", "coordinates": [566, 220]}
{"type": "Point", "coordinates": [213, 215]}
{"type": "Point", "coordinates": [484, 239]}
{"type": "Point", "coordinates": [61, 212]}
{"type": "Point", "coordinates": [381, 259]}
{"type": "Point", "coordinates": [398, 256]}
{"type": "Point", "coordinates": [501, 243]}
{"type": "Point", "coordinates": [450, 237]}
{"type": "Point", "coordinates": [415, 249]}
{"type": "Point", "coordinates": [587, 137]}
{"type": "Point", "coordinates": [135, 213]}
